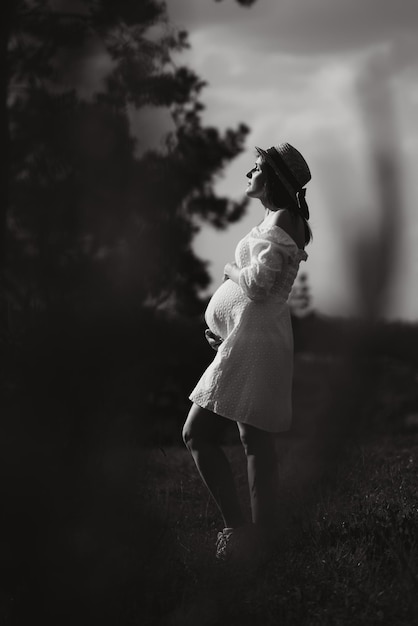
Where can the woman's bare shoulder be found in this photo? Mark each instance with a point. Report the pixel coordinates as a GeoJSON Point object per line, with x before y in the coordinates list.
{"type": "Point", "coordinates": [283, 219]}
{"type": "Point", "coordinates": [293, 227]}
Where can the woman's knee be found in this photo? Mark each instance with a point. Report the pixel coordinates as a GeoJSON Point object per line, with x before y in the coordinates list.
{"type": "Point", "coordinates": [187, 432]}
{"type": "Point", "coordinates": [200, 428]}
{"type": "Point", "coordinates": [188, 435]}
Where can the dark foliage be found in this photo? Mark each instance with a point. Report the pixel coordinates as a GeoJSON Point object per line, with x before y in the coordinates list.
{"type": "Point", "coordinates": [89, 222]}
{"type": "Point", "coordinates": [96, 237]}
{"type": "Point", "coordinates": [357, 337]}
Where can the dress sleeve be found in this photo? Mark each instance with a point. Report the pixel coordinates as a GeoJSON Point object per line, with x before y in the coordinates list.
{"type": "Point", "coordinates": [269, 254]}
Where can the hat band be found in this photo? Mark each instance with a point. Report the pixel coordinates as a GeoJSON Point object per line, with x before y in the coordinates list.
{"type": "Point", "coordinates": [283, 170]}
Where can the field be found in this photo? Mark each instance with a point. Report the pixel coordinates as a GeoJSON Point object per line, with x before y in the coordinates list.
{"type": "Point", "coordinates": [348, 551]}
{"type": "Point", "coordinates": [348, 544]}
{"type": "Point", "coordinates": [115, 531]}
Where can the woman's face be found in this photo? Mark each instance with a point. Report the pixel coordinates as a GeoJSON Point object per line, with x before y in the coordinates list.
{"type": "Point", "coordinates": [257, 179]}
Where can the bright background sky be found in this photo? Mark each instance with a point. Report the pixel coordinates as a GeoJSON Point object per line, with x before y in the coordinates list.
{"type": "Point", "coordinates": [291, 70]}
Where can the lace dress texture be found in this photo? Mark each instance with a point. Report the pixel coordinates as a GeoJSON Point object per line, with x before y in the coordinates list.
{"type": "Point", "coordinates": [250, 378]}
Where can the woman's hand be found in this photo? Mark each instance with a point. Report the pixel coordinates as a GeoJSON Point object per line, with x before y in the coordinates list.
{"type": "Point", "coordinates": [231, 270]}
{"type": "Point", "coordinates": [213, 340]}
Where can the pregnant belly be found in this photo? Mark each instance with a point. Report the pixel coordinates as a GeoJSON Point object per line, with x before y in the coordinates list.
{"type": "Point", "coordinates": [225, 308]}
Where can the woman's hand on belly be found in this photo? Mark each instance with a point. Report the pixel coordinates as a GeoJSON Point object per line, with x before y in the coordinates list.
{"type": "Point", "coordinates": [232, 271]}
{"type": "Point", "coordinates": [213, 340]}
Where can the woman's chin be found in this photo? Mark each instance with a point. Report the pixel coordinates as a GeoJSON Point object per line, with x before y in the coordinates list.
{"type": "Point", "coordinates": [252, 193]}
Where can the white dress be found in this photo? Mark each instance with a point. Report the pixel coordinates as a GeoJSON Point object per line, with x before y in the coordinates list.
{"type": "Point", "coordinates": [250, 378]}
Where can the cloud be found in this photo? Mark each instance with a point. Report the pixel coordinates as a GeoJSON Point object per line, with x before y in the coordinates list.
{"type": "Point", "coordinates": [290, 69]}
{"type": "Point", "coordinates": [278, 95]}
{"type": "Point", "coordinates": [299, 26]}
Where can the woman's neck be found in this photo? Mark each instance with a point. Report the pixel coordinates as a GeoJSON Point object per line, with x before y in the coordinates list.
{"type": "Point", "coordinates": [269, 212]}
{"type": "Point", "coordinates": [269, 209]}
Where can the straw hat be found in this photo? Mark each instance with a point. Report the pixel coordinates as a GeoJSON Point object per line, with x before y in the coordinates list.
{"type": "Point", "coordinates": [292, 170]}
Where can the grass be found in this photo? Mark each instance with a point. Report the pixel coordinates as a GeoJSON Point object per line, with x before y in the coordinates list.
{"type": "Point", "coordinates": [348, 550]}
{"type": "Point", "coordinates": [107, 531]}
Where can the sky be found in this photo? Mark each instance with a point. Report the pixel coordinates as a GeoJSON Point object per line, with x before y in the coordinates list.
{"type": "Point", "coordinates": [338, 80]}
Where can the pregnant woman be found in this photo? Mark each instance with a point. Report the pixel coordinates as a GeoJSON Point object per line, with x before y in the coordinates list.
{"type": "Point", "coordinates": [250, 378]}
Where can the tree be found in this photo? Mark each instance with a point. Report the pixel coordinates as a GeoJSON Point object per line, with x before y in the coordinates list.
{"type": "Point", "coordinates": [300, 300]}
{"type": "Point", "coordinates": [90, 224]}
{"type": "Point", "coordinates": [88, 220]}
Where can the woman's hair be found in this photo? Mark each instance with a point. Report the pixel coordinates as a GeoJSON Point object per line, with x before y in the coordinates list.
{"type": "Point", "coordinates": [276, 194]}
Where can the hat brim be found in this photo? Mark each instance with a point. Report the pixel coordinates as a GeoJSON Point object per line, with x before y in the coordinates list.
{"type": "Point", "coordinates": [278, 173]}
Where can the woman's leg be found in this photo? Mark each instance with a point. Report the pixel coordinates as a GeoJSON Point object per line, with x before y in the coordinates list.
{"type": "Point", "coordinates": [201, 434]}
{"type": "Point", "coordinates": [260, 450]}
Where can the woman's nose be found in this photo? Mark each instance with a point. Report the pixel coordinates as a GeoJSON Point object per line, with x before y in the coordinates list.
{"type": "Point", "coordinates": [249, 174]}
